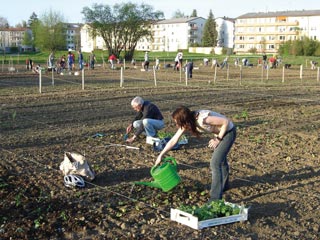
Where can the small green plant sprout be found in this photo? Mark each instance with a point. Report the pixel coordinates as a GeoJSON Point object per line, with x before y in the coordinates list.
{"type": "Point", "coordinates": [37, 222]}
{"type": "Point", "coordinates": [244, 114]}
{"type": "Point", "coordinates": [64, 216]}
{"type": "Point", "coordinates": [3, 184]}
{"type": "Point", "coordinates": [14, 114]}
{"type": "Point", "coordinates": [18, 199]}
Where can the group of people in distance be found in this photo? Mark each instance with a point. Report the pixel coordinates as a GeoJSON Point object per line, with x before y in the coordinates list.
{"type": "Point", "coordinates": [221, 129]}
{"type": "Point", "coordinates": [68, 62]}
{"type": "Point", "coordinates": [64, 62]}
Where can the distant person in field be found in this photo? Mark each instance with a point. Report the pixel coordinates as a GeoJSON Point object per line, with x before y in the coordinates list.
{"type": "Point", "coordinates": [70, 61]}
{"type": "Point", "coordinates": [27, 63]}
{"type": "Point", "coordinates": [313, 64]}
{"type": "Point", "coordinates": [273, 62]}
{"type": "Point", "coordinates": [222, 133]}
{"type": "Point", "coordinates": [178, 61]}
{"type": "Point", "coordinates": [264, 59]}
{"type": "Point", "coordinates": [51, 60]}
{"type": "Point", "coordinates": [80, 59]}
{"type": "Point", "coordinates": [148, 119]}
{"type": "Point", "coordinates": [37, 68]}
{"type": "Point", "coordinates": [224, 63]}
{"type": "Point", "coordinates": [146, 62]}
{"type": "Point", "coordinates": [157, 66]}
{"type": "Point", "coordinates": [205, 61]}
{"type": "Point", "coordinates": [189, 68]}
{"type": "Point", "coordinates": [30, 63]}
{"type": "Point", "coordinates": [92, 60]}
{"type": "Point", "coordinates": [112, 60]}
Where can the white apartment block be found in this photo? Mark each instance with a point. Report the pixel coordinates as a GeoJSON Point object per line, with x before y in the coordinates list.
{"type": "Point", "coordinates": [225, 30]}
{"type": "Point", "coordinates": [173, 34]}
{"type": "Point", "coordinates": [267, 31]}
{"type": "Point", "coordinates": [12, 37]}
{"type": "Point", "coordinates": [73, 36]}
{"type": "Point", "coordinates": [88, 42]}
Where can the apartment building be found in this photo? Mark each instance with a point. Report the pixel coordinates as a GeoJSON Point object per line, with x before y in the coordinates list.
{"type": "Point", "coordinates": [73, 40]}
{"type": "Point", "coordinates": [12, 38]}
{"type": "Point", "coordinates": [225, 30]}
{"type": "Point", "coordinates": [173, 34]}
{"type": "Point", "coordinates": [267, 31]}
{"type": "Point", "coordinates": [88, 42]}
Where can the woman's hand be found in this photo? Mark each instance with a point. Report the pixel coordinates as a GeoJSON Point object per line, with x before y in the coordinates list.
{"type": "Point", "coordinates": [213, 143]}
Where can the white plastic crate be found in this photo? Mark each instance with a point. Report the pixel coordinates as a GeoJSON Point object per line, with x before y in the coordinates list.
{"type": "Point", "coordinates": [152, 140]}
{"type": "Point", "coordinates": [193, 222]}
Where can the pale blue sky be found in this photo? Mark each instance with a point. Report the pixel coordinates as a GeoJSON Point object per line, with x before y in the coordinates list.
{"type": "Point", "coordinates": [17, 10]}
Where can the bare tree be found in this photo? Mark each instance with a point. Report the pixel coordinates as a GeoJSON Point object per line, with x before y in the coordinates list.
{"type": "Point", "coordinates": [4, 22]}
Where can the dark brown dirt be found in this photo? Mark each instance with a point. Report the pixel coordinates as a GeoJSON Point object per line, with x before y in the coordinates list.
{"type": "Point", "coordinates": [274, 162]}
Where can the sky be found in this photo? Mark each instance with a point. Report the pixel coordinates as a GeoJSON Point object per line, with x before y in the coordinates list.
{"type": "Point", "coordinates": [15, 11]}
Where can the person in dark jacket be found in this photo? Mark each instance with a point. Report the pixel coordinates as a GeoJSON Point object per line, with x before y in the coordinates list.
{"type": "Point", "coordinates": [148, 119]}
{"type": "Point", "coordinates": [189, 68]}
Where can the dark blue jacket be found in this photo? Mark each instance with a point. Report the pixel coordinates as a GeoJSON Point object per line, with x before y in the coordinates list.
{"type": "Point", "coordinates": [149, 110]}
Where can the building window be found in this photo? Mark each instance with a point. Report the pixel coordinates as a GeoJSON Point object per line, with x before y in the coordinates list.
{"type": "Point", "coordinates": [282, 38]}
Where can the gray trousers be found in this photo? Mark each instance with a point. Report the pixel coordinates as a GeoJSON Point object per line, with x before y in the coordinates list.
{"type": "Point", "coordinates": [219, 165]}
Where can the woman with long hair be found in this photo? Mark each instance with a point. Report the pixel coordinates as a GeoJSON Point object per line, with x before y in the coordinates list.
{"type": "Point", "coordinates": [223, 136]}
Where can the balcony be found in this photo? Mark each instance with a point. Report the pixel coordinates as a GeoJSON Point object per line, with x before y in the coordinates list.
{"type": "Point", "coordinates": [296, 23]}
{"type": "Point", "coordinates": [193, 27]}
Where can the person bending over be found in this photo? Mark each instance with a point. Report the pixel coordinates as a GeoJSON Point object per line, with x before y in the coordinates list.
{"type": "Point", "coordinates": [223, 133]}
{"type": "Point", "coordinates": [148, 119]}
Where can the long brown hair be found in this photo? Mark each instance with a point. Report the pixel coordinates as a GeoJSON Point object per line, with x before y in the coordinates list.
{"type": "Point", "coordinates": [185, 118]}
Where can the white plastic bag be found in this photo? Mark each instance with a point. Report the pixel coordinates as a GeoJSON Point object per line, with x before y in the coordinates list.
{"type": "Point", "coordinates": [75, 163]}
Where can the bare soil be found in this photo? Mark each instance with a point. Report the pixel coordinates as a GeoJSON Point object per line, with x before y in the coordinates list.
{"type": "Point", "coordinates": [274, 162]}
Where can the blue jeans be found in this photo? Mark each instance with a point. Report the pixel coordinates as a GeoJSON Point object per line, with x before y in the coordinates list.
{"type": "Point", "coordinates": [219, 165]}
{"type": "Point", "coordinates": [151, 126]}
{"type": "Point", "coordinates": [80, 65]}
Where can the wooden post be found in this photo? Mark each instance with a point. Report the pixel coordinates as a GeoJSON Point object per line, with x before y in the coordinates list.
{"type": "Point", "coordinates": [52, 75]}
{"type": "Point", "coordinates": [215, 75]}
{"type": "Point", "coordinates": [240, 75]}
{"type": "Point", "coordinates": [121, 77]}
{"type": "Point", "coordinates": [262, 69]}
{"type": "Point", "coordinates": [154, 76]}
{"type": "Point", "coordinates": [318, 72]}
{"type": "Point", "coordinates": [186, 75]}
{"type": "Point", "coordinates": [227, 72]}
{"type": "Point", "coordinates": [283, 74]}
{"type": "Point", "coordinates": [82, 79]}
{"type": "Point", "coordinates": [301, 72]}
{"type": "Point", "coordinates": [40, 81]}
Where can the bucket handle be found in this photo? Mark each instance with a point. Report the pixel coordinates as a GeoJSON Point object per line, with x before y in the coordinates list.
{"type": "Point", "coordinates": [171, 160]}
